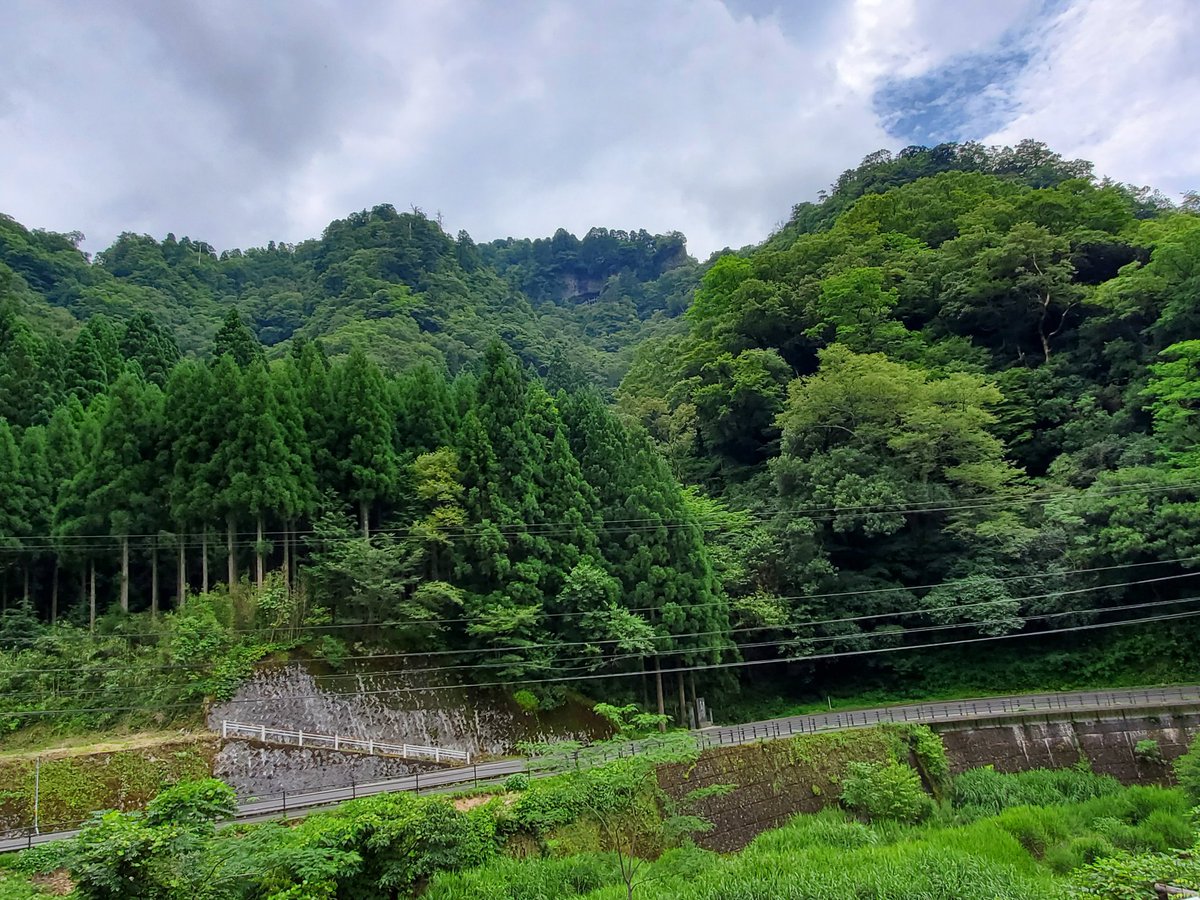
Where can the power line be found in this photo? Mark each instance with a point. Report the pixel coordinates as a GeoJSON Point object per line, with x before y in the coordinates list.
{"type": "Point", "coordinates": [668, 671]}
{"type": "Point", "coordinates": [719, 632]}
{"type": "Point", "coordinates": [50, 542]}
{"type": "Point", "coordinates": [559, 663]}
{"type": "Point", "coordinates": [390, 623]}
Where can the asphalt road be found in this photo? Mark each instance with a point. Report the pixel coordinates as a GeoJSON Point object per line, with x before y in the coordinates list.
{"type": "Point", "coordinates": [464, 777]}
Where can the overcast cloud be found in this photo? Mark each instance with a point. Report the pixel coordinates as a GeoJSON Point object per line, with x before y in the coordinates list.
{"type": "Point", "coordinates": [243, 122]}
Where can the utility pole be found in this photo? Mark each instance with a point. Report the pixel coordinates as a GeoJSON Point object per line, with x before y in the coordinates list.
{"type": "Point", "coordinates": [37, 788]}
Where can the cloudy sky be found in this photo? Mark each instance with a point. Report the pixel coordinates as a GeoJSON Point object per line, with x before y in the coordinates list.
{"type": "Point", "coordinates": [243, 121]}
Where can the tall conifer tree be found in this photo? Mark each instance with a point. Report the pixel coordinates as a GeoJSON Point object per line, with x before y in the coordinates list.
{"type": "Point", "coordinates": [363, 442]}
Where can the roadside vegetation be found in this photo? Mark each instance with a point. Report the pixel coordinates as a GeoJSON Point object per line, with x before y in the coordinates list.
{"type": "Point", "coordinates": [610, 831]}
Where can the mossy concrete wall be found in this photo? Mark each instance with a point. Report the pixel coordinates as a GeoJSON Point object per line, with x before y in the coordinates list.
{"type": "Point", "coordinates": [1106, 741]}
{"type": "Point", "coordinates": [71, 786]}
{"type": "Point", "coordinates": [775, 780]}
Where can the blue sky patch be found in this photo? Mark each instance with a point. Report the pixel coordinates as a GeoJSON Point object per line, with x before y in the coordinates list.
{"type": "Point", "coordinates": [965, 99]}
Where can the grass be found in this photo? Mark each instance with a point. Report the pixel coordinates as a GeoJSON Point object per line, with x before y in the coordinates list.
{"type": "Point", "coordinates": [49, 745]}
{"type": "Point", "coordinates": [121, 774]}
{"type": "Point", "coordinates": [1018, 852]}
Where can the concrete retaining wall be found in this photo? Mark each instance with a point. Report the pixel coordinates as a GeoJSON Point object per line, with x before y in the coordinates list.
{"type": "Point", "coordinates": [1105, 740]}
{"type": "Point", "coordinates": [775, 780]}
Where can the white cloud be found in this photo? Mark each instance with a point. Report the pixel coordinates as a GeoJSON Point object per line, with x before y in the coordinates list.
{"type": "Point", "coordinates": [901, 39]}
{"type": "Point", "coordinates": [1116, 82]}
{"type": "Point", "coordinates": [241, 123]}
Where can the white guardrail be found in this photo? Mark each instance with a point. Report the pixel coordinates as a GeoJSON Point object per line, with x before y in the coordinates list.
{"type": "Point", "coordinates": [342, 744]}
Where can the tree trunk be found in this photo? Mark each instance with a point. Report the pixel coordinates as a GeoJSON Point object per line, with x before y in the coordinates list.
{"type": "Point", "coordinates": [662, 706]}
{"type": "Point", "coordinates": [83, 586]}
{"type": "Point", "coordinates": [54, 593]}
{"type": "Point", "coordinates": [258, 555]}
{"type": "Point", "coordinates": [230, 551]}
{"type": "Point", "coordinates": [287, 555]}
{"type": "Point", "coordinates": [364, 517]}
{"type": "Point", "coordinates": [153, 580]}
{"type": "Point", "coordinates": [294, 552]}
{"type": "Point", "coordinates": [92, 598]}
{"type": "Point", "coordinates": [125, 573]}
{"type": "Point", "coordinates": [683, 704]}
{"type": "Point", "coordinates": [181, 565]}
{"type": "Point", "coordinates": [1042, 328]}
{"type": "Point", "coordinates": [645, 685]}
{"type": "Point", "coordinates": [695, 700]}
{"type": "Point", "coordinates": [204, 561]}
{"type": "Point", "coordinates": [26, 587]}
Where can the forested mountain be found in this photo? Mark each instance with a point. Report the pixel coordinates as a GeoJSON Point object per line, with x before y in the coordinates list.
{"type": "Point", "coordinates": [961, 374]}
{"type": "Point", "coordinates": [954, 400]}
{"type": "Point", "coordinates": [393, 283]}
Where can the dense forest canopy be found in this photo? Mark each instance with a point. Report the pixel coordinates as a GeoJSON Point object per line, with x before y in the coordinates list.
{"type": "Point", "coordinates": [955, 399]}
{"type": "Point", "coordinates": [393, 283]}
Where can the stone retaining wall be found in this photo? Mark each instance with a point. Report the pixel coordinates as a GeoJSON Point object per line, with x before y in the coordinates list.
{"type": "Point", "coordinates": [775, 780]}
{"type": "Point", "coordinates": [1105, 740]}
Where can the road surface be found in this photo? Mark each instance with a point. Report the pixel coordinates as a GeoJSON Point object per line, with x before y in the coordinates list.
{"type": "Point", "coordinates": [295, 805]}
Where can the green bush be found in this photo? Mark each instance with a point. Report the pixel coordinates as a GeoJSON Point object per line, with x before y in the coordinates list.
{"type": "Point", "coordinates": [527, 700]}
{"type": "Point", "coordinates": [929, 750]}
{"type": "Point", "coordinates": [1125, 876]}
{"type": "Point", "coordinates": [1187, 772]}
{"type": "Point", "coordinates": [516, 782]}
{"type": "Point", "coordinates": [890, 791]}
{"type": "Point", "coordinates": [1148, 751]}
{"type": "Point", "coordinates": [192, 803]}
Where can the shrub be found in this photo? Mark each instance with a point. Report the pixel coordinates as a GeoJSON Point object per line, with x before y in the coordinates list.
{"type": "Point", "coordinates": [1187, 771]}
{"type": "Point", "coordinates": [192, 803]}
{"type": "Point", "coordinates": [527, 700]}
{"type": "Point", "coordinates": [516, 782]}
{"type": "Point", "coordinates": [333, 650]}
{"type": "Point", "coordinates": [892, 791]}
{"type": "Point", "coordinates": [400, 840]}
{"type": "Point", "coordinates": [1148, 751]}
{"type": "Point", "coordinates": [927, 746]}
{"type": "Point", "coordinates": [1129, 877]}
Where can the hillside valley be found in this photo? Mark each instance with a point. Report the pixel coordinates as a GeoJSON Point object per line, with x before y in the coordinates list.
{"type": "Point", "coordinates": [934, 438]}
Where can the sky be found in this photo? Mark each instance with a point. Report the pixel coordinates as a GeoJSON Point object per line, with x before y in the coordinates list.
{"type": "Point", "coordinates": [241, 122]}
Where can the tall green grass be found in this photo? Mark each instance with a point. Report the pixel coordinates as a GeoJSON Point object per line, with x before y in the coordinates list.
{"type": "Point", "coordinates": [1020, 852]}
{"type": "Point", "coordinates": [985, 792]}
